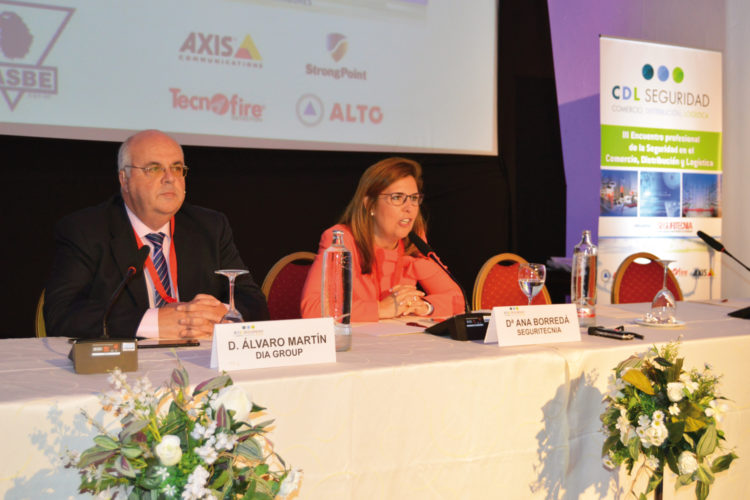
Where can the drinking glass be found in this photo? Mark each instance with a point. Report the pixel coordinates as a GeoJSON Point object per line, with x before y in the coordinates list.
{"type": "Point", "coordinates": [232, 315]}
{"type": "Point", "coordinates": [663, 306]}
{"type": "Point", "coordinates": [531, 279]}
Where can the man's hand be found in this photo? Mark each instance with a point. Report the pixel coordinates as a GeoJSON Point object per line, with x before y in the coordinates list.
{"type": "Point", "coordinates": [194, 319]}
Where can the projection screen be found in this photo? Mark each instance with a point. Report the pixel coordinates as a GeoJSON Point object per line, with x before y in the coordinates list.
{"type": "Point", "coordinates": [352, 75]}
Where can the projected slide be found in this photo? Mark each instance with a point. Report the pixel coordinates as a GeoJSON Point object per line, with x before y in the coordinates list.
{"type": "Point", "coordinates": [375, 75]}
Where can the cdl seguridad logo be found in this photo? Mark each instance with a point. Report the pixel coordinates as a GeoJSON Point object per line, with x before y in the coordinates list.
{"type": "Point", "coordinates": [655, 93]}
{"type": "Point", "coordinates": [28, 33]}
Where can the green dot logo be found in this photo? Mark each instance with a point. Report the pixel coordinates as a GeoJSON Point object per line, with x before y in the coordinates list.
{"type": "Point", "coordinates": [678, 75]}
{"type": "Point", "coordinates": [648, 71]}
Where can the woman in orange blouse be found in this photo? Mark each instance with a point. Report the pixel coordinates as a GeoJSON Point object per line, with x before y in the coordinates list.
{"type": "Point", "coordinates": [386, 266]}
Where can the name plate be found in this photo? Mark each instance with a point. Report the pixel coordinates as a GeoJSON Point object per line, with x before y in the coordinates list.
{"type": "Point", "coordinates": [527, 325]}
{"type": "Point", "coordinates": [264, 344]}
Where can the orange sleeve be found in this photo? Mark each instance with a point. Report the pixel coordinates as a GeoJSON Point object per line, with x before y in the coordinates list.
{"type": "Point", "coordinates": [364, 294]}
{"type": "Point", "coordinates": [440, 291]}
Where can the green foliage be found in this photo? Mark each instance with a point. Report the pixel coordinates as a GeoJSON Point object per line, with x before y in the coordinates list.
{"type": "Point", "coordinates": [646, 431]}
{"type": "Point", "coordinates": [166, 435]}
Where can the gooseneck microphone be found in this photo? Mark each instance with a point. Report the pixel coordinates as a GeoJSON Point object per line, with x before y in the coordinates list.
{"type": "Point", "coordinates": [428, 252]}
{"type": "Point", "coordinates": [131, 272]}
{"type": "Point", "coordinates": [716, 245]}
{"type": "Point", "coordinates": [467, 326]}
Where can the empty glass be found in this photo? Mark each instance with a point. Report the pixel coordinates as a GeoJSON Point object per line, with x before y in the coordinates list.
{"type": "Point", "coordinates": [232, 315]}
{"type": "Point", "coordinates": [663, 306]}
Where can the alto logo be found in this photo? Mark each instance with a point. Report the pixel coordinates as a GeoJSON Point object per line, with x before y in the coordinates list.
{"type": "Point", "coordinates": [311, 111]}
{"type": "Point", "coordinates": [336, 44]}
{"type": "Point", "coordinates": [212, 48]}
{"type": "Point", "coordinates": [235, 107]}
{"type": "Point", "coordinates": [28, 32]}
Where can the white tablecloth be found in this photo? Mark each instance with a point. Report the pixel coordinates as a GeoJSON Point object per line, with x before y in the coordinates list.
{"type": "Point", "coordinates": [398, 417]}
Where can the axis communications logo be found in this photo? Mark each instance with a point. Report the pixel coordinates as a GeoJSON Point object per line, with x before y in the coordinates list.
{"type": "Point", "coordinates": [211, 48]}
{"type": "Point", "coordinates": [28, 32]}
{"type": "Point", "coordinates": [311, 111]}
{"type": "Point", "coordinates": [235, 106]}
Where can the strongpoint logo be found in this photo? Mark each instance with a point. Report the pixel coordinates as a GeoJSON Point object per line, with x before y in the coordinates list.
{"type": "Point", "coordinates": [656, 95]}
{"type": "Point", "coordinates": [28, 32]}
{"type": "Point", "coordinates": [311, 111]}
{"type": "Point", "coordinates": [235, 107]}
{"type": "Point", "coordinates": [212, 48]}
{"type": "Point", "coordinates": [336, 45]}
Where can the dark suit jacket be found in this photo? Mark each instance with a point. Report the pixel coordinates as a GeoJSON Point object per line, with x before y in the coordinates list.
{"type": "Point", "coordinates": [95, 246]}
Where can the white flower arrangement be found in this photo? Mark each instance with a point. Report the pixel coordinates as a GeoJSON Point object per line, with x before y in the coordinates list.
{"type": "Point", "coordinates": [659, 414]}
{"type": "Point", "coordinates": [174, 445]}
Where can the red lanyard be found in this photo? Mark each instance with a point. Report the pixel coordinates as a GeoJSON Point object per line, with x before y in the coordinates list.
{"type": "Point", "coordinates": [172, 266]}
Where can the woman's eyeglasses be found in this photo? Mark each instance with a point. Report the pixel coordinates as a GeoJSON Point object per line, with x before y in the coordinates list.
{"type": "Point", "coordinates": [398, 199]}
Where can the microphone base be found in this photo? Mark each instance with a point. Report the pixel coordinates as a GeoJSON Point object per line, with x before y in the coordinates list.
{"type": "Point", "coordinates": [468, 326]}
{"type": "Point", "coordinates": [104, 355]}
{"type": "Point", "coordinates": [741, 313]}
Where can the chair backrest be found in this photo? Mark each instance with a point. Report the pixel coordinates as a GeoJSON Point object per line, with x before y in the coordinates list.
{"type": "Point", "coordinates": [497, 284]}
{"type": "Point", "coordinates": [39, 328]}
{"type": "Point", "coordinates": [283, 285]}
{"type": "Point", "coordinates": [637, 282]}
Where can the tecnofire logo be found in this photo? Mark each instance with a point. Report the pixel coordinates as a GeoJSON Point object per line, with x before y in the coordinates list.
{"type": "Point", "coordinates": [28, 33]}
{"type": "Point", "coordinates": [235, 106]}
{"type": "Point", "coordinates": [212, 48]}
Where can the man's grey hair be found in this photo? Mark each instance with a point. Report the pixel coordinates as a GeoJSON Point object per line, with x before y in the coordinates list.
{"type": "Point", "coordinates": [124, 159]}
{"type": "Point", "coordinates": [123, 156]}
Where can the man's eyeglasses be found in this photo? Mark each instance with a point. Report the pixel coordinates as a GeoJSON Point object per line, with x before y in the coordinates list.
{"type": "Point", "coordinates": [398, 199]}
{"type": "Point", "coordinates": [157, 170]}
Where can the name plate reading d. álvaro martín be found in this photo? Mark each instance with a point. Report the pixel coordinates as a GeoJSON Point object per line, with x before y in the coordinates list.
{"type": "Point", "coordinates": [264, 344]}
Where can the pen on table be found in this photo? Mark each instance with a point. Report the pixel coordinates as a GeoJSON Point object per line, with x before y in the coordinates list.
{"type": "Point", "coordinates": [412, 323]}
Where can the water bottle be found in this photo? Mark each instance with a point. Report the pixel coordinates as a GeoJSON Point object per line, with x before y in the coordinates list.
{"type": "Point", "coordinates": [336, 290]}
{"type": "Point", "coordinates": [583, 280]}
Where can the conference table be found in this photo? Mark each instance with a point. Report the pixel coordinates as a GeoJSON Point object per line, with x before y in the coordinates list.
{"type": "Point", "coordinates": [401, 415]}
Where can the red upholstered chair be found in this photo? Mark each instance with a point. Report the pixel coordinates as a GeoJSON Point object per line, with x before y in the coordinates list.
{"type": "Point", "coordinates": [497, 284]}
{"type": "Point", "coordinates": [283, 285]}
{"type": "Point", "coordinates": [639, 282]}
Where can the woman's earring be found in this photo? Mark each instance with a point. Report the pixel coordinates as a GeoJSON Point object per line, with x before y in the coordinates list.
{"type": "Point", "coordinates": [372, 213]}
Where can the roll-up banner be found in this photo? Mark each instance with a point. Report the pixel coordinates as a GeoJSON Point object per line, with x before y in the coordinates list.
{"type": "Point", "coordinates": [661, 116]}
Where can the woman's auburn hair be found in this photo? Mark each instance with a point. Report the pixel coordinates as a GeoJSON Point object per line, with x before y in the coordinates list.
{"type": "Point", "coordinates": [357, 214]}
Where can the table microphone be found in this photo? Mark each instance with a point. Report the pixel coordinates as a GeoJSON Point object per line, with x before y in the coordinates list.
{"type": "Point", "coordinates": [131, 272]}
{"type": "Point", "coordinates": [467, 326]}
{"type": "Point", "coordinates": [716, 245]}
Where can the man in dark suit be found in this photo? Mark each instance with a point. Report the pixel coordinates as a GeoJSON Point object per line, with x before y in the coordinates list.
{"type": "Point", "coordinates": [177, 295]}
